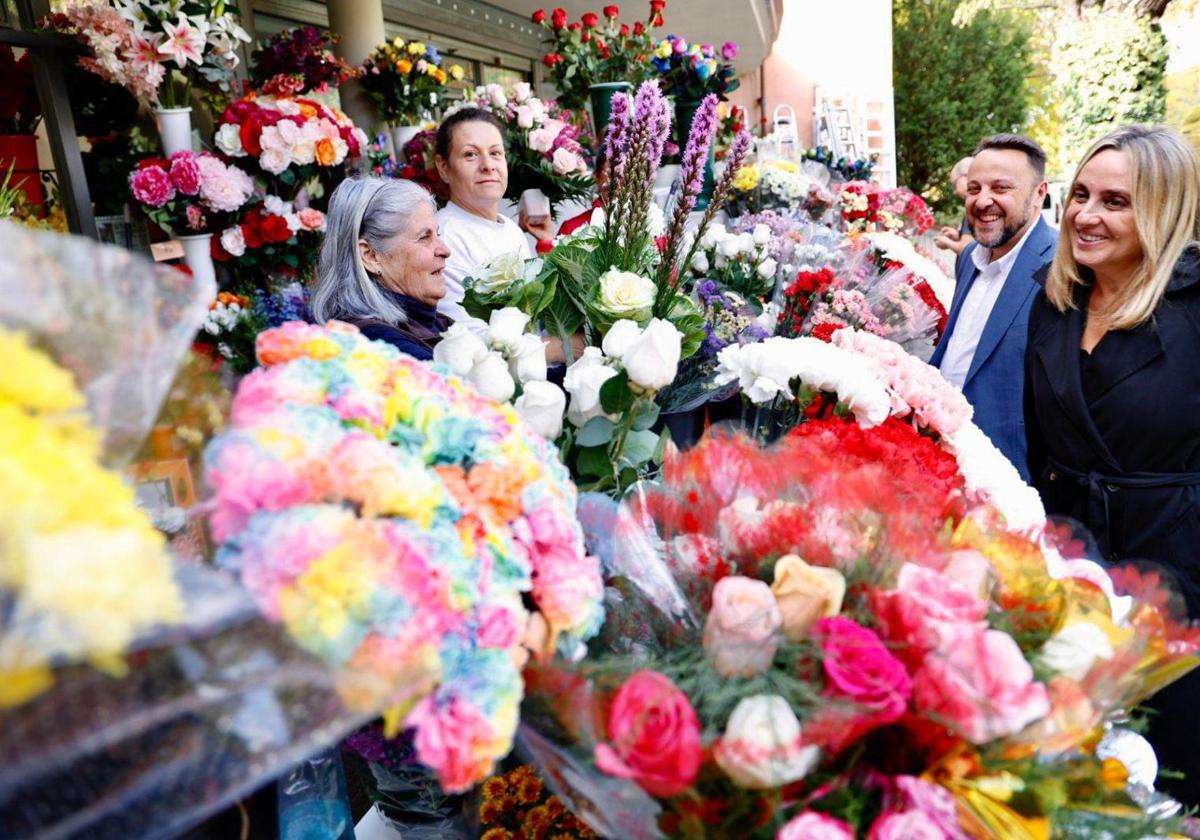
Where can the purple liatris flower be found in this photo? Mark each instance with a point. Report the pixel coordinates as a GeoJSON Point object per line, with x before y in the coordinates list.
{"type": "Point", "coordinates": [616, 137]}
{"type": "Point", "coordinates": [695, 153]}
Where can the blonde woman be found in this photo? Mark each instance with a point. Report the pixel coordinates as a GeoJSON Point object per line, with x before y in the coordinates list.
{"type": "Point", "coordinates": [1113, 379]}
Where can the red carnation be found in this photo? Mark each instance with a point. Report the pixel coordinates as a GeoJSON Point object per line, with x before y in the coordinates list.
{"type": "Point", "coordinates": [611, 12]}
{"type": "Point", "coordinates": [590, 20]}
{"type": "Point", "coordinates": [539, 16]}
{"type": "Point", "coordinates": [275, 229]}
{"type": "Point", "coordinates": [558, 19]}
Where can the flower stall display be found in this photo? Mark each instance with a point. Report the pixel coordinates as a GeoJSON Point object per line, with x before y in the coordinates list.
{"type": "Point", "coordinates": [234, 321]}
{"type": "Point", "coordinates": [499, 358]}
{"type": "Point", "coordinates": [590, 52]}
{"type": "Point", "coordinates": [406, 80]}
{"type": "Point", "coordinates": [299, 60]}
{"type": "Point", "coordinates": [121, 52]}
{"type": "Point", "coordinates": [271, 238]}
{"type": "Point", "coordinates": [839, 636]}
{"type": "Point", "coordinates": [540, 143]}
{"type": "Point", "coordinates": [740, 262]}
{"type": "Point", "coordinates": [781, 186]}
{"type": "Point", "coordinates": [689, 72]}
{"type": "Point", "coordinates": [413, 534]}
{"type": "Point", "coordinates": [189, 193]}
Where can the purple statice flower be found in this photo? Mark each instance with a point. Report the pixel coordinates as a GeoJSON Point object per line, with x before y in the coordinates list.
{"type": "Point", "coordinates": [777, 224]}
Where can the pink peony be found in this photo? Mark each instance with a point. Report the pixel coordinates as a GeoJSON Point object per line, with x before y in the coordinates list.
{"type": "Point", "coordinates": [859, 668]}
{"type": "Point", "coordinates": [654, 736]}
{"type": "Point", "coordinates": [152, 186]}
{"type": "Point", "coordinates": [185, 173]}
{"type": "Point", "coordinates": [813, 825]}
{"type": "Point", "coordinates": [980, 684]}
{"type": "Point", "coordinates": [456, 740]}
{"type": "Point", "coordinates": [741, 633]}
{"type": "Point", "coordinates": [924, 604]}
{"type": "Point", "coordinates": [224, 188]}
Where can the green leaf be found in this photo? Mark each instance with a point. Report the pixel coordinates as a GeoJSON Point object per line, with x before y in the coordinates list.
{"type": "Point", "coordinates": [593, 460]}
{"type": "Point", "coordinates": [596, 432]}
{"type": "Point", "coordinates": [615, 396]}
{"type": "Point", "coordinates": [638, 448]}
{"type": "Point", "coordinates": [646, 416]}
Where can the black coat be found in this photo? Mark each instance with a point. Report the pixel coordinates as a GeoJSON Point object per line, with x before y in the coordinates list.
{"type": "Point", "coordinates": [1127, 464]}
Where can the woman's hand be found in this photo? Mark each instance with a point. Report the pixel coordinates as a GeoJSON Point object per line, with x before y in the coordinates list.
{"type": "Point", "coordinates": [543, 230]}
{"type": "Point", "coordinates": [554, 349]}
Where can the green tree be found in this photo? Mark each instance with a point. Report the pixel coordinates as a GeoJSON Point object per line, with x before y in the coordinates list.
{"type": "Point", "coordinates": [953, 86]}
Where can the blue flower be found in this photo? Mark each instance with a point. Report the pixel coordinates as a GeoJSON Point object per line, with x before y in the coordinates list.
{"type": "Point", "coordinates": [432, 55]}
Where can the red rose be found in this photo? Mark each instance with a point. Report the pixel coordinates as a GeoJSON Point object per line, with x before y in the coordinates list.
{"type": "Point", "coordinates": [219, 254]}
{"type": "Point", "coordinates": [275, 229]}
{"type": "Point", "coordinates": [611, 12]}
{"type": "Point", "coordinates": [539, 16]}
{"type": "Point", "coordinates": [625, 30]}
{"type": "Point", "coordinates": [551, 59]}
{"type": "Point", "coordinates": [587, 36]}
{"type": "Point", "coordinates": [638, 29]}
{"type": "Point", "coordinates": [656, 6]}
{"type": "Point", "coordinates": [252, 229]}
{"type": "Point", "coordinates": [574, 27]}
{"type": "Point", "coordinates": [654, 735]}
{"type": "Point", "coordinates": [558, 19]}
{"type": "Point", "coordinates": [590, 20]}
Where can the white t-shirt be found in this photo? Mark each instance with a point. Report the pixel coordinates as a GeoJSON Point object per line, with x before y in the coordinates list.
{"type": "Point", "coordinates": [472, 241]}
{"type": "Point", "coordinates": [976, 309]}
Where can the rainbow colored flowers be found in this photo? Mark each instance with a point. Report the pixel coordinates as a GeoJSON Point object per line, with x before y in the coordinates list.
{"type": "Point", "coordinates": [392, 519]}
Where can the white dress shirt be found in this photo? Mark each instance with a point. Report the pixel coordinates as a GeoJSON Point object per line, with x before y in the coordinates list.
{"type": "Point", "coordinates": [472, 240]}
{"type": "Point", "coordinates": [976, 309]}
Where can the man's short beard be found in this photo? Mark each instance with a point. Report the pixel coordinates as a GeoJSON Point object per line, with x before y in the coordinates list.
{"type": "Point", "coordinates": [1009, 232]}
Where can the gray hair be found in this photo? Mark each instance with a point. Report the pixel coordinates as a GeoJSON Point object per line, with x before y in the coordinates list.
{"type": "Point", "coordinates": [374, 209]}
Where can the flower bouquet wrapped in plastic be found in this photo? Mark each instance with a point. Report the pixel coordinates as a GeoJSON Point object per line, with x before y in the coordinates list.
{"type": "Point", "coordinates": [847, 636]}
{"type": "Point", "coordinates": [137, 693]}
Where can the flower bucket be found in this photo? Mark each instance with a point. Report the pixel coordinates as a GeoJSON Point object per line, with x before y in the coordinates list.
{"type": "Point", "coordinates": [401, 135]}
{"type": "Point", "coordinates": [197, 253]}
{"type": "Point", "coordinates": [685, 111]}
{"type": "Point", "coordinates": [175, 129]}
{"type": "Point", "coordinates": [602, 95]}
{"type": "Point", "coordinates": [19, 152]}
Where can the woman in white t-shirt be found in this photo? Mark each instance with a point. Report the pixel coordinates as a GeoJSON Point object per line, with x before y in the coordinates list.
{"type": "Point", "coordinates": [470, 158]}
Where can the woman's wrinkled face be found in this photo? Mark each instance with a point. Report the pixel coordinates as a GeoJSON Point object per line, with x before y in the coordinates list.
{"type": "Point", "coordinates": [1099, 216]}
{"type": "Point", "coordinates": [476, 170]}
{"type": "Point", "coordinates": [414, 258]}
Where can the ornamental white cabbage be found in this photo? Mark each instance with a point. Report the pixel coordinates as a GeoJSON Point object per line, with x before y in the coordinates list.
{"type": "Point", "coordinates": [542, 405]}
{"type": "Point", "coordinates": [498, 273]}
{"type": "Point", "coordinates": [626, 295]}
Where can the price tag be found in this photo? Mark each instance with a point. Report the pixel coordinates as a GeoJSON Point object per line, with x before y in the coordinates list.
{"type": "Point", "coordinates": [172, 249]}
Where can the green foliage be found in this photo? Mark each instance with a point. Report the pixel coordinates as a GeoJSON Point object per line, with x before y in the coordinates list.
{"type": "Point", "coordinates": [1109, 69]}
{"type": "Point", "coordinates": [953, 86]}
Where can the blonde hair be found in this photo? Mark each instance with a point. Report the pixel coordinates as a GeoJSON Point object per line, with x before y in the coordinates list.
{"type": "Point", "coordinates": [1165, 179]}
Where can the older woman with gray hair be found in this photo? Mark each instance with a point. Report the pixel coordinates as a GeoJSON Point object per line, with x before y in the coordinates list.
{"type": "Point", "coordinates": [381, 264]}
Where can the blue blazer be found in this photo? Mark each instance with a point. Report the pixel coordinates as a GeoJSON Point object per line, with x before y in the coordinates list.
{"type": "Point", "coordinates": [995, 383]}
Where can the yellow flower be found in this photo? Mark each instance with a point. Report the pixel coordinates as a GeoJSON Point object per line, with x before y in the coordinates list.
{"type": "Point", "coordinates": [398, 42]}
{"type": "Point", "coordinates": [663, 50]}
{"type": "Point", "coordinates": [746, 178]}
{"type": "Point", "coordinates": [416, 48]}
{"type": "Point", "coordinates": [32, 380]}
{"type": "Point", "coordinates": [784, 166]}
{"type": "Point", "coordinates": [456, 72]}
{"type": "Point", "coordinates": [440, 76]}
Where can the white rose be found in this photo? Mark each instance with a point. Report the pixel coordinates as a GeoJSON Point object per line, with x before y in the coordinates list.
{"type": "Point", "coordinates": [496, 96]}
{"type": "Point", "coordinates": [761, 234]}
{"type": "Point", "coordinates": [521, 91]}
{"type": "Point", "coordinates": [275, 161]}
{"type": "Point", "coordinates": [620, 337]}
{"type": "Point", "coordinates": [233, 240]}
{"type": "Point", "coordinates": [460, 349]}
{"type": "Point", "coordinates": [229, 140]}
{"type": "Point", "coordinates": [623, 293]}
{"type": "Point", "coordinates": [541, 139]}
{"type": "Point", "coordinates": [713, 235]}
{"type": "Point", "coordinates": [505, 328]}
{"type": "Point", "coordinates": [745, 243]}
{"type": "Point", "coordinates": [565, 162]}
{"type": "Point", "coordinates": [729, 247]}
{"type": "Point", "coordinates": [762, 747]}
{"type": "Point", "coordinates": [276, 206]}
{"type": "Point", "coordinates": [491, 378]}
{"type": "Point", "coordinates": [653, 359]}
{"type": "Point", "coordinates": [700, 262]}
{"type": "Point", "coordinates": [766, 269]}
{"type": "Point", "coordinates": [1073, 650]}
{"type": "Point", "coordinates": [527, 359]}
{"type": "Point", "coordinates": [656, 222]}
{"type": "Point", "coordinates": [582, 381]}
{"type": "Point", "coordinates": [499, 273]}
{"type": "Point", "coordinates": [542, 405]}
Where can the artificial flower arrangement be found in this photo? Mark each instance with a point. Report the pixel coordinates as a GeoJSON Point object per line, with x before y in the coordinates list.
{"type": "Point", "coordinates": [234, 321]}
{"type": "Point", "coordinates": [191, 192]}
{"type": "Point", "coordinates": [619, 281]}
{"type": "Point", "coordinates": [689, 72]}
{"type": "Point", "coordinates": [68, 522]}
{"type": "Point", "coordinates": [120, 52]}
{"type": "Point", "coordinates": [410, 532]}
{"type": "Point", "coordinates": [846, 636]}
{"type": "Point", "coordinates": [273, 236]}
{"type": "Point", "coordinates": [732, 120]}
{"type": "Point", "coordinates": [588, 52]}
{"type": "Point", "coordinates": [540, 143]}
{"type": "Point", "coordinates": [290, 143]}
{"type": "Point", "coordinates": [406, 81]}
{"type": "Point", "coordinates": [299, 60]}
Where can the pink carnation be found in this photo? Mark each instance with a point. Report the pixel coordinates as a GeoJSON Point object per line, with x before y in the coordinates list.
{"type": "Point", "coordinates": [923, 607]}
{"type": "Point", "coordinates": [152, 186]}
{"type": "Point", "coordinates": [813, 825]}
{"type": "Point", "coordinates": [185, 173]}
{"type": "Point", "coordinates": [566, 582]}
{"type": "Point", "coordinates": [980, 684]}
{"type": "Point", "coordinates": [456, 740]}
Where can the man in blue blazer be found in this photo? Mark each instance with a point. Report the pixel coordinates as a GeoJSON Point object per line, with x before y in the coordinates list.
{"type": "Point", "coordinates": [983, 348]}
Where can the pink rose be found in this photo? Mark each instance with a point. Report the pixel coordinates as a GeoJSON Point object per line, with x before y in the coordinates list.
{"type": "Point", "coordinates": [813, 825]}
{"type": "Point", "coordinates": [922, 606]}
{"type": "Point", "coordinates": [185, 173]}
{"type": "Point", "coordinates": [233, 241]}
{"type": "Point", "coordinates": [741, 633]}
{"type": "Point", "coordinates": [859, 668]}
{"type": "Point", "coordinates": [654, 735]}
{"type": "Point", "coordinates": [311, 219]}
{"type": "Point", "coordinates": [565, 162]}
{"type": "Point", "coordinates": [541, 140]}
{"type": "Point", "coordinates": [456, 740]}
{"type": "Point", "coordinates": [980, 684]}
{"type": "Point", "coordinates": [152, 186]}
{"type": "Point", "coordinates": [905, 825]}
